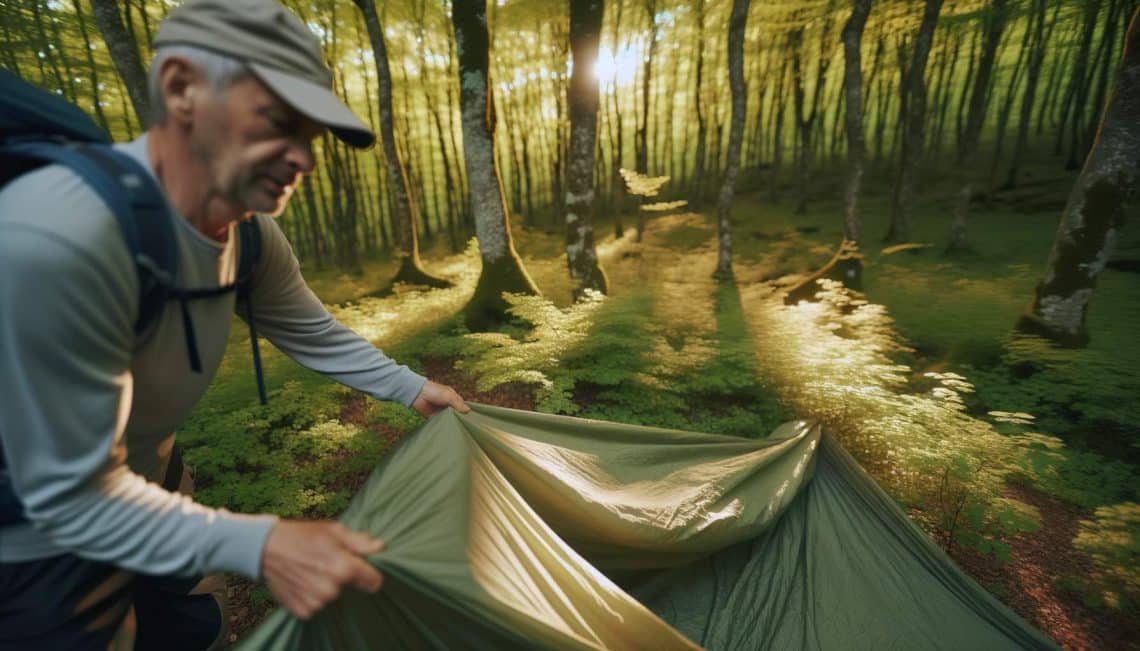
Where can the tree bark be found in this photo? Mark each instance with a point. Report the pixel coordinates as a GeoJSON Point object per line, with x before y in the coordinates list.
{"type": "Point", "coordinates": [1079, 84]}
{"type": "Point", "coordinates": [502, 269]}
{"type": "Point", "coordinates": [853, 92]}
{"type": "Point", "coordinates": [736, 24]}
{"type": "Point", "coordinates": [1033, 73]}
{"type": "Point", "coordinates": [641, 142]}
{"type": "Point", "coordinates": [996, 18]}
{"type": "Point", "coordinates": [914, 130]}
{"type": "Point", "coordinates": [618, 198]}
{"type": "Point", "coordinates": [582, 99]}
{"type": "Point", "coordinates": [96, 102]}
{"type": "Point", "coordinates": [1106, 52]}
{"type": "Point", "coordinates": [698, 189]}
{"type": "Point", "coordinates": [125, 55]}
{"type": "Point", "coordinates": [405, 221]}
{"type": "Point", "coordinates": [778, 131]}
{"type": "Point", "coordinates": [1094, 213]}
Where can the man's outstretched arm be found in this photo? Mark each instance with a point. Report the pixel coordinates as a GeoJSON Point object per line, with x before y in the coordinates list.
{"type": "Point", "coordinates": [287, 312]}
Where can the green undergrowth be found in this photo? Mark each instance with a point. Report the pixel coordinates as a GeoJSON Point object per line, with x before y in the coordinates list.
{"type": "Point", "coordinates": [919, 377]}
{"type": "Point", "coordinates": [1074, 410]}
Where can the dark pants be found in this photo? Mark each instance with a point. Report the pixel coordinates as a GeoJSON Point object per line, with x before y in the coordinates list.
{"type": "Point", "coordinates": [65, 602]}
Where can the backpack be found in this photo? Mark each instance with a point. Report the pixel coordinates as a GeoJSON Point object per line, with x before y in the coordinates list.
{"type": "Point", "coordinates": [39, 128]}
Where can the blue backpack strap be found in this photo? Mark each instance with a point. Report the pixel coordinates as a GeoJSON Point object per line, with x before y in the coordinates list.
{"type": "Point", "coordinates": [137, 204]}
{"type": "Point", "coordinates": [250, 255]}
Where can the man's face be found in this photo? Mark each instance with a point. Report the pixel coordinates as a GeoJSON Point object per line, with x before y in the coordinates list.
{"type": "Point", "coordinates": [254, 146]}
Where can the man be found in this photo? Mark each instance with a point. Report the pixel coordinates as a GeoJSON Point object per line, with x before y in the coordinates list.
{"type": "Point", "coordinates": [239, 90]}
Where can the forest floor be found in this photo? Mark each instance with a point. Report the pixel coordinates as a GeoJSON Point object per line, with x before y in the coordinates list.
{"type": "Point", "coordinates": [952, 314]}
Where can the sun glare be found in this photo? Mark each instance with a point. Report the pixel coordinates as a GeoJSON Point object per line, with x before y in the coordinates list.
{"type": "Point", "coordinates": [619, 69]}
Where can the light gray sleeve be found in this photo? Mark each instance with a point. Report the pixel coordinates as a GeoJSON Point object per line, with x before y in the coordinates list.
{"type": "Point", "coordinates": [66, 337]}
{"type": "Point", "coordinates": [287, 312]}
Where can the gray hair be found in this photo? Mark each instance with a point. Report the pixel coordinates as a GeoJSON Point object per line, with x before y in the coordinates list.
{"type": "Point", "coordinates": [219, 70]}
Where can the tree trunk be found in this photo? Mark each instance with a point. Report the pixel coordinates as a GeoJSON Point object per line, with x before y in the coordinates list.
{"type": "Point", "coordinates": [502, 269]}
{"type": "Point", "coordinates": [964, 95]}
{"type": "Point", "coordinates": [641, 142]}
{"type": "Point", "coordinates": [942, 94]}
{"type": "Point", "coordinates": [1006, 108]}
{"type": "Point", "coordinates": [582, 98]}
{"type": "Point", "coordinates": [406, 225]}
{"type": "Point", "coordinates": [53, 51]}
{"type": "Point", "coordinates": [1079, 85]}
{"type": "Point", "coordinates": [806, 120]}
{"type": "Point", "coordinates": [618, 200]}
{"type": "Point", "coordinates": [125, 54]}
{"type": "Point", "coordinates": [1033, 73]}
{"type": "Point", "coordinates": [314, 219]}
{"type": "Point", "coordinates": [853, 91]}
{"type": "Point", "coordinates": [914, 130]}
{"type": "Point", "coordinates": [994, 23]}
{"type": "Point", "coordinates": [1106, 53]}
{"type": "Point", "coordinates": [736, 24]}
{"type": "Point", "coordinates": [96, 92]}
{"type": "Point", "coordinates": [1052, 90]}
{"type": "Point", "coordinates": [1094, 212]}
{"type": "Point", "coordinates": [803, 125]}
{"type": "Point", "coordinates": [698, 190]}
{"type": "Point", "coordinates": [778, 131]}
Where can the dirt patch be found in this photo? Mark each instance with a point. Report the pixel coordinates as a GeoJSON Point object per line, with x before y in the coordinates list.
{"type": "Point", "coordinates": [246, 611]}
{"type": "Point", "coordinates": [1028, 582]}
{"type": "Point", "coordinates": [515, 395]}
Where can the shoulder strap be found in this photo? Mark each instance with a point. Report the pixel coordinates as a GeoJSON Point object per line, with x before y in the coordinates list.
{"type": "Point", "coordinates": [249, 256]}
{"type": "Point", "coordinates": [137, 204]}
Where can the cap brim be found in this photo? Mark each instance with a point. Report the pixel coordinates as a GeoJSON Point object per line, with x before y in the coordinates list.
{"type": "Point", "coordinates": [318, 104]}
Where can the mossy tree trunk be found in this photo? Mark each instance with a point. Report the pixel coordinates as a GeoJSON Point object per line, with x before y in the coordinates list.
{"type": "Point", "coordinates": [736, 24]}
{"type": "Point", "coordinates": [407, 232]}
{"type": "Point", "coordinates": [503, 271]}
{"type": "Point", "coordinates": [582, 98]}
{"type": "Point", "coordinates": [1094, 212]}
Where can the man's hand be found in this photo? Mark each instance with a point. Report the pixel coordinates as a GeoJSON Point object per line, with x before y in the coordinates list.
{"type": "Point", "coordinates": [307, 564]}
{"type": "Point", "coordinates": [436, 397]}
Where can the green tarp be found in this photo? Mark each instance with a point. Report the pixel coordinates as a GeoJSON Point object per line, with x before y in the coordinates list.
{"type": "Point", "coordinates": [510, 529]}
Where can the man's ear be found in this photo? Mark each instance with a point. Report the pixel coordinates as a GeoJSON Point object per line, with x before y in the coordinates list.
{"type": "Point", "coordinates": [181, 88]}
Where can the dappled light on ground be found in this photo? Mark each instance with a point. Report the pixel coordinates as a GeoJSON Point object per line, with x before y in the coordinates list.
{"type": "Point", "coordinates": [838, 360]}
{"type": "Point", "coordinates": [383, 320]}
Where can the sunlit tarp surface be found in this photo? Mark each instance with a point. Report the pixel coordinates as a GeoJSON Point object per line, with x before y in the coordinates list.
{"type": "Point", "coordinates": [510, 529]}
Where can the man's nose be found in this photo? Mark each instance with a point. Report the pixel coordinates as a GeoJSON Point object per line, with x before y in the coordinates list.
{"type": "Point", "coordinates": [300, 156]}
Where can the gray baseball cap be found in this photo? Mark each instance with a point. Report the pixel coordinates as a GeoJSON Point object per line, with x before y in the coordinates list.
{"type": "Point", "coordinates": [277, 47]}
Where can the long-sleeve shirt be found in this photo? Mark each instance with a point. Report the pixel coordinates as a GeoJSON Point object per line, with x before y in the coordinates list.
{"type": "Point", "coordinates": [88, 409]}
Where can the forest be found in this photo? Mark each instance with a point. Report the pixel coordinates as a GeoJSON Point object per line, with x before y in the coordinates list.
{"type": "Point", "coordinates": [903, 219]}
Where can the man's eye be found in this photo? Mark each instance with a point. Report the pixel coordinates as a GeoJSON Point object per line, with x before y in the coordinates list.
{"type": "Point", "coordinates": [277, 123]}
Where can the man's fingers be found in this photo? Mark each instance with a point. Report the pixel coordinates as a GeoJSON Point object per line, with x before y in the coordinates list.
{"type": "Point", "coordinates": [455, 401]}
{"type": "Point", "coordinates": [365, 576]}
{"type": "Point", "coordinates": [358, 542]}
